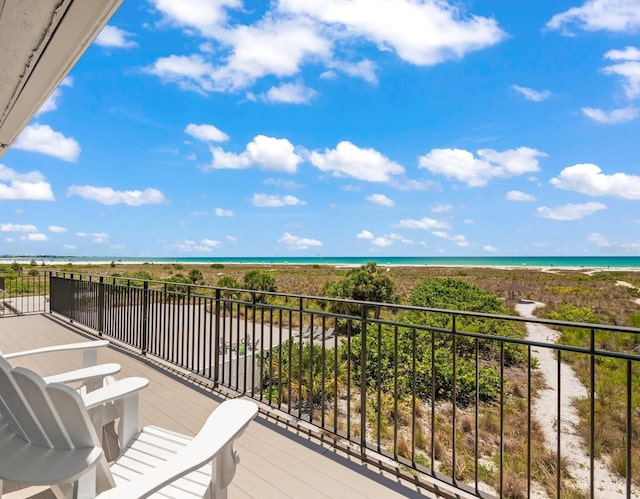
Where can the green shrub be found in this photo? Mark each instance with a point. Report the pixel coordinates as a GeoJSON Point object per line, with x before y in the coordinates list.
{"type": "Point", "coordinates": [259, 280]}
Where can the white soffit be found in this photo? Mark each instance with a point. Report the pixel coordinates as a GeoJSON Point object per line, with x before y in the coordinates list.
{"type": "Point", "coordinates": [40, 41]}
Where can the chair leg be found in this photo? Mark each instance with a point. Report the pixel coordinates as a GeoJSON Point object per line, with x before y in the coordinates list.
{"type": "Point", "coordinates": [223, 471]}
{"type": "Point", "coordinates": [128, 426]}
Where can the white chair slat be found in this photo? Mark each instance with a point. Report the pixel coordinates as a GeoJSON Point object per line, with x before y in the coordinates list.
{"type": "Point", "coordinates": [19, 414]}
{"type": "Point", "coordinates": [34, 389]}
{"type": "Point", "coordinates": [71, 411]}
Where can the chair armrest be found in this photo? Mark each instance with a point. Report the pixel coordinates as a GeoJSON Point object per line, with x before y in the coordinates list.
{"type": "Point", "coordinates": [87, 347]}
{"type": "Point", "coordinates": [124, 395]}
{"type": "Point", "coordinates": [224, 425]}
{"type": "Point", "coordinates": [86, 374]}
{"type": "Point", "coordinates": [115, 391]}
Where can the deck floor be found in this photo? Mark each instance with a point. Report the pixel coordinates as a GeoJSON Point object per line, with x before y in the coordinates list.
{"type": "Point", "coordinates": [275, 460]}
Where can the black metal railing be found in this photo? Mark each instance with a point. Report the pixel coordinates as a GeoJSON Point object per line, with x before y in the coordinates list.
{"type": "Point", "coordinates": [23, 292]}
{"type": "Point", "coordinates": [470, 399]}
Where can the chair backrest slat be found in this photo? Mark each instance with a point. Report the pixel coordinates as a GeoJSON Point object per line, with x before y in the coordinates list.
{"type": "Point", "coordinates": [71, 410]}
{"type": "Point", "coordinates": [34, 390]}
{"type": "Point", "coordinates": [19, 415]}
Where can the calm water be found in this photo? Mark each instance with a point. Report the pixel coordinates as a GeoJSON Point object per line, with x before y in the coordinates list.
{"type": "Point", "coordinates": [482, 261]}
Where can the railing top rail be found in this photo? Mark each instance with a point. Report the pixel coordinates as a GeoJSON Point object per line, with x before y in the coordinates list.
{"type": "Point", "coordinates": [359, 303]}
{"type": "Point", "coordinates": [403, 307]}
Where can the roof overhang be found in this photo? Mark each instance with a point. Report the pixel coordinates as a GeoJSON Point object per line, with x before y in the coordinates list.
{"type": "Point", "coordinates": [40, 41]}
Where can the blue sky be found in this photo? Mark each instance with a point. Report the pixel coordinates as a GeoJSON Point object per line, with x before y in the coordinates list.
{"type": "Point", "coordinates": [338, 128]}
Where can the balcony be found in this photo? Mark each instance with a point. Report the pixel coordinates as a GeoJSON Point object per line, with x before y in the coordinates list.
{"type": "Point", "coordinates": [360, 399]}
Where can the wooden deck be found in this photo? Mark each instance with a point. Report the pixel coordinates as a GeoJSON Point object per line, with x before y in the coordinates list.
{"type": "Point", "coordinates": [275, 460]}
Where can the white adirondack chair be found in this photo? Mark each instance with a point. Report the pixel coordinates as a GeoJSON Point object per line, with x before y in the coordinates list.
{"type": "Point", "coordinates": [91, 376]}
{"type": "Point", "coordinates": [47, 438]}
{"type": "Point", "coordinates": [86, 379]}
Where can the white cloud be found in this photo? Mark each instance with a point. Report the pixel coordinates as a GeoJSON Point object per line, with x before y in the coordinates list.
{"type": "Point", "coordinates": [38, 237]}
{"type": "Point", "coordinates": [223, 213]}
{"type": "Point", "coordinates": [298, 243]}
{"type": "Point", "coordinates": [231, 238]}
{"type": "Point", "coordinates": [489, 249]}
{"type": "Point", "coordinates": [114, 37]}
{"type": "Point", "coordinates": [425, 223]}
{"type": "Point", "coordinates": [365, 234]}
{"type": "Point", "coordinates": [622, 115]}
{"type": "Point", "coordinates": [629, 69]}
{"type": "Point", "coordinates": [191, 246]}
{"type": "Point", "coordinates": [96, 237]}
{"type": "Point", "coordinates": [282, 183]}
{"type": "Point", "coordinates": [441, 208]}
{"type": "Point", "coordinates": [462, 165]}
{"type": "Point", "coordinates": [51, 104]}
{"type": "Point", "coordinates": [290, 93]}
{"type": "Point", "coordinates": [570, 211]}
{"type": "Point", "coordinates": [531, 94]}
{"type": "Point", "coordinates": [381, 200]}
{"type": "Point", "coordinates": [7, 227]}
{"type": "Point", "coordinates": [598, 239]}
{"type": "Point", "coordinates": [43, 139]}
{"type": "Point", "coordinates": [596, 15]}
{"type": "Point", "coordinates": [109, 196]}
{"type": "Point", "coordinates": [210, 243]}
{"type": "Point", "coordinates": [23, 186]}
{"type": "Point", "coordinates": [397, 237]}
{"type": "Point", "coordinates": [588, 179]}
{"type": "Point", "coordinates": [267, 153]}
{"type": "Point", "coordinates": [422, 33]}
{"type": "Point", "coordinates": [364, 69]}
{"type": "Point", "coordinates": [293, 33]}
{"type": "Point", "coordinates": [206, 133]}
{"type": "Point", "coordinates": [272, 201]}
{"type": "Point", "coordinates": [519, 196]}
{"type": "Point", "coordinates": [348, 160]}
{"type": "Point", "coordinates": [382, 242]}
{"type": "Point", "coordinates": [188, 72]}
{"type": "Point", "coordinates": [458, 239]}
{"type": "Point", "coordinates": [627, 54]}
{"type": "Point", "coordinates": [57, 229]}
{"type": "Point", "coordinates": [273, 46]}
{"type": "Point", "coordinates": [70, 246]}
{"type": "Point", "coordinates": [203, 15]}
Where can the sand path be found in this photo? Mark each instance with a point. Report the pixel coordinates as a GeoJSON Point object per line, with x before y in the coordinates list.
{"type": "Point", "coordinates": [607, 484]}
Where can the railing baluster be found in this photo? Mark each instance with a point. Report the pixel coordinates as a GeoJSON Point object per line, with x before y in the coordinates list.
{"type": "Point", "coordinates": [629, 430]}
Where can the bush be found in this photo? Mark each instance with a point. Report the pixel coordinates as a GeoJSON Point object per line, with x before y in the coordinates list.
{"type": "Point", "coordinates": [178, 284]}
{"type": "Point", "coordinates": [196, 277]}
{"type": "Point", "coordinates": [259, 280]}
{"type": "Point", "coordinates": [301, 368]}
{"type": "Point", "coordinates": [227, 282]}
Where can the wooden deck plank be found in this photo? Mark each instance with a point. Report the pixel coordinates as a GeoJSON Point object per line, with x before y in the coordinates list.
{"type": "Point", "coordinates": [274, 461]}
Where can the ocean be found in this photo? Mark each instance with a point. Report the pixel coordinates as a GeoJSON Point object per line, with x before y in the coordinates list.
{"type": "Point", "coordinates": [632, 262]}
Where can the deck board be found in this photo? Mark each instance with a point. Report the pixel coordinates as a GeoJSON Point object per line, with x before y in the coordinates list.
{"type": "Point", "coordinates": [275, 462]}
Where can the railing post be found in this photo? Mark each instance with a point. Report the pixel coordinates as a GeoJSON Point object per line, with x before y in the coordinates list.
{"type": "Point", "coordinates": [47, 285]}
{"type": "Point", "coordinates": [101, 306]}
{"type": "Point", "coordinates": [216, 338]}
{"type": "Point", "coordinates": [145, 317]}
{"type": "Point", "coordinates": [363, 381]}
